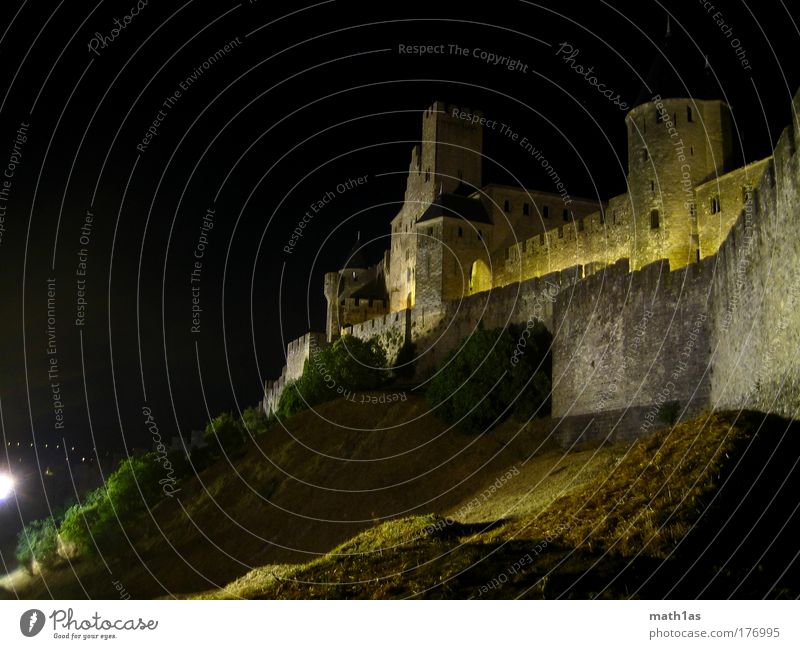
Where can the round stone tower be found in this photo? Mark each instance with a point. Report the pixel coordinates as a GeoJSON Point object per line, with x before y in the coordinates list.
{"type": "Point", "coordinates": [679, 136]}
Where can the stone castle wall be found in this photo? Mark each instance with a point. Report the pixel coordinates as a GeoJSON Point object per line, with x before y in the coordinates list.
{"type": "Point", "coordinates": [631, 339]}
{"type": "Point", "coordinates": [297, 352]}
{"type": "Point", "coordinates": [722, 332]}
{"type": "Point", "coordinates": [600, 238]}
{"type": "Point", "coordinates": [721, 200]}
{"type": "Point", "coordinates": [757, 293]}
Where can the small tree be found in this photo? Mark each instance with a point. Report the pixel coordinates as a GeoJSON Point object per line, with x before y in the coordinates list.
{"type": "Point", "coordinates": [134, 487]}
{"type": "Point", "coordinates": [254, 421]}
{"type": "Point", "coordinates": [669, 412]}
{"type": "Point", "coordinates": [494, 375]}
{"type": "Point", "coordinates": [106, 513]}
{"type": "Point", "coordinates": [90, 523]}
{"type": "Point", "coordinates": [38, 541]}
{"type": "Point", "coordinates": [225, 432]}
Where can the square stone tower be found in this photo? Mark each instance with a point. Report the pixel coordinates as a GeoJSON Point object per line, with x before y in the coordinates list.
{"type": "Point", "coordinates": [449, 156]}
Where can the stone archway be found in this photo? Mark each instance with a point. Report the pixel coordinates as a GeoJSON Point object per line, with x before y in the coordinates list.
{"type": "Point", "coordinates": [480, 277]}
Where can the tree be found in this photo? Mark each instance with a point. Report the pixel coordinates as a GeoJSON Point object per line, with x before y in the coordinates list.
{"type": "Point", "coordinates": [38, 541]}
{"type": "Point", "coordinates": [495, 374]}
{"type": "Point", "coordinates": [107, 512]}
{"type": "Point", "coordinates": [225, 432]}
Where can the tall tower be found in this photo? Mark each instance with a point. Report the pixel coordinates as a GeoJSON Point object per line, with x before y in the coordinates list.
{"type": "Point", "coordinates": [674, 143]}
{"type": "Point", "coordinates": [449, 155]}
{"type": "Point", "coordinates": [452, 148]}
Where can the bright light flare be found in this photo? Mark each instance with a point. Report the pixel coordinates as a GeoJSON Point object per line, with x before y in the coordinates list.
{"type": "Point", "coordinates": [6, 486]}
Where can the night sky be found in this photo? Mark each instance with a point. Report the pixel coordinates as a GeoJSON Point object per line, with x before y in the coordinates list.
{"type": "Point", "coordinates": [151, 131]}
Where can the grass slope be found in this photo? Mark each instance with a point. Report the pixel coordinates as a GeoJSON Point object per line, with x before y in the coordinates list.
{"type": "Point", "coordinates": [702, 510]}
{"type": "Point", "coordinates": [414, 509]}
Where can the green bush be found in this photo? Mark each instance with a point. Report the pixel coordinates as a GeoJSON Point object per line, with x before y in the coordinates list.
{"type": "Point", "coordinates": [349, 365]}
{"type": "Point", "coordinates": [88, 523]}
{"type": "Point", "coordinates": [38, 540]}
{"type": "Point", "coordinates": [294, 397]}
{"type": "Point", "coordinates": [225, 433]}
{"type": "Point", "coordinates": [668, 412]}
{"type": "Point", "coordinates": [135, 486]}
{"type": "Point", "coordinates": [464, 389]}
{"type": "Point", "coordinates": [255, 421]}
{"type": "Point", "coordinates": [100, 521]}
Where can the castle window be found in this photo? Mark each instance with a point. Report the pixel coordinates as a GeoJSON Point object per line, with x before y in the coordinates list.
{"type": "Point", "coordinates": [659, 117]}
{"type": "Point", "coordinates": [506, 206]}
{"type": "Point", "coordinates": [614, 216]}
{"type": "Point", "coordinates": [460, 232]}
{"type": "Point", "coordinates": [427, 174]}
{"type": "Point", "coordinates": [691, 150]}
{"type": "Point", "coordinates": [565, 215]}
{"type": "Point", "coordinates": [645, 154]}
{"type": "Point", "coordinates": [654, 220]}
{"type": "Point", "coordinates": [652, 185]}
{"type": "Point", "coordinates": [430, 232]}
{"type": "Point", "coordinates": [580, 225]}
{"type": "Point", "coordinates": [715, 205]}
{"type": "Point", "coordinates": [560, 231]}
{"type": "Point", "coordinates": [408, 275]}
{"type": "Point", "coordinates": [675, 118]}
{"type": "Point", "coordinates": [689, 116]}
{"type": "Point", "coordinates": [546, 211]}
{"type": "Point", "coordinates": [526, 209]}
{"type": "Point", "coordinates": [480, 235]}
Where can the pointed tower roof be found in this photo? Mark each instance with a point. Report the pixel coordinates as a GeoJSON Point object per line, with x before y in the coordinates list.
{"type": "Point", "coordinates": [678, 71]}
{"type": "Point", "coordinates": [356, 258]}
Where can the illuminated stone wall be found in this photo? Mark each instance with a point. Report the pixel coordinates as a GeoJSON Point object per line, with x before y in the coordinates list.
{"type": "Point", "coordinates": [599, 239]}
{"type": "Point", "coordinates": [297, 352]}
{"type": "Point", "coordinates": [703, 310]}
{"type": "Point", "coordinates": [757, 293]}
{"type": "Point", "coordinates": [721, 200]}
{"type": "Point", "coordinates": [519, 214]}
{"type": "Point", "coordinates": [673, 146]}
{"type": "Point", "coordinates": [629, 339]}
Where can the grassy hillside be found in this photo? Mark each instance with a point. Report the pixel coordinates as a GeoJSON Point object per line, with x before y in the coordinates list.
{"type": "Point", "coordinates": [701, 510]}
{"type": "Point", "coordinates": [415, 509]}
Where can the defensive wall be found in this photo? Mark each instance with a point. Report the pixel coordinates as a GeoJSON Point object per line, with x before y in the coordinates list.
{"type": "Point", "coordinates": [720, 333]}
